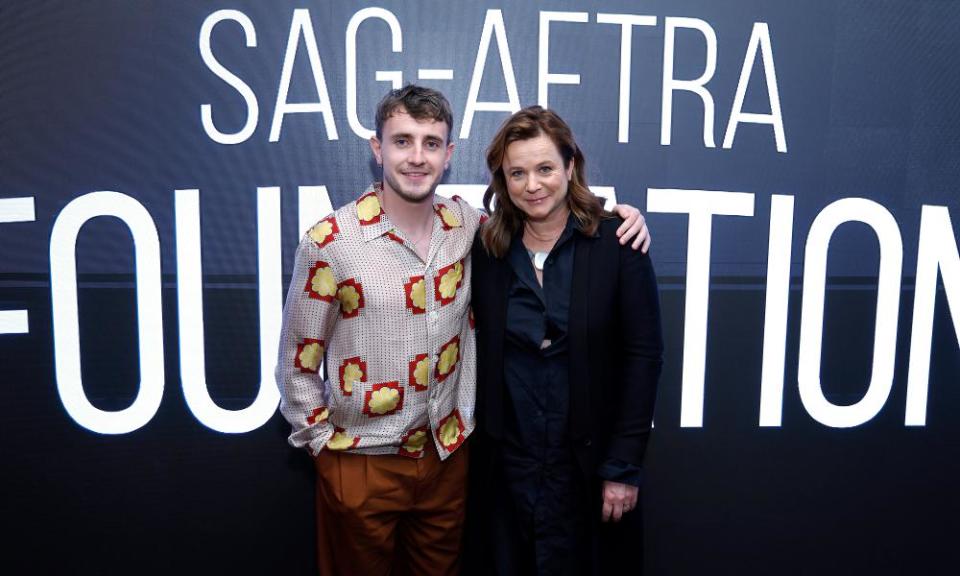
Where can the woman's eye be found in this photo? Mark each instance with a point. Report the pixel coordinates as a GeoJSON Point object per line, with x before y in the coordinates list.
{"type": "Point", "coordinates": [546, 170]}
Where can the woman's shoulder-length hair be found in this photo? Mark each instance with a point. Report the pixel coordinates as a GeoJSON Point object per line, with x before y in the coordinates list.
{"type": "Point", "coordinates": [507, 220]}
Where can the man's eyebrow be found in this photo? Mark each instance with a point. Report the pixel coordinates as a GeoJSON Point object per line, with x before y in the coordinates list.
{"type": "Point", "coordinates": [408, 136]}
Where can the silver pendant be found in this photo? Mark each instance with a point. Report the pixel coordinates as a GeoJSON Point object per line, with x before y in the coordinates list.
{"type": "Point", "coordinates": [539, 258]}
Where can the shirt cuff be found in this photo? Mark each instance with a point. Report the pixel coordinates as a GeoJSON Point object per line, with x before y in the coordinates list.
{"type": "Point", "coordinates": [616, 470]}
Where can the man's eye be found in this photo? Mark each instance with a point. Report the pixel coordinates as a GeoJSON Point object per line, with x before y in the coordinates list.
{"type": "Point", "coordinates": [433, 145]}
{"type": "Point", "coordinates": [400, 141]}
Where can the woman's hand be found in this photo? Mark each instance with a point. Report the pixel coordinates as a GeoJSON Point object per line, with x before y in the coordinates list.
{"type": "Point", "coordinates": [618, 499]}
{"type": "Point", "coordinates": [634, 226]}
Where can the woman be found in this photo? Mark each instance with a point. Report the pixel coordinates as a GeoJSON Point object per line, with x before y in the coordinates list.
{"type": "Point", "coordinates": [569, 348]}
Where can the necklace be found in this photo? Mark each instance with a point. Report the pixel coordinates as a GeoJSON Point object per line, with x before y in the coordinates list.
{"type": "Point", "coordinates": [543, 239]}
{"type": "Point", "coordinates": [538, 259]}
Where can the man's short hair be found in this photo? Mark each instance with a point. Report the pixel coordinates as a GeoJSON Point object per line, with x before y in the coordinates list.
{"type": "Point", "coordinates": [419, 102]}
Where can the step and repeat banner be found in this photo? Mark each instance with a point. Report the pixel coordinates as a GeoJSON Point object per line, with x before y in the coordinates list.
{"type": "Point", "coordinates": [798, 164]}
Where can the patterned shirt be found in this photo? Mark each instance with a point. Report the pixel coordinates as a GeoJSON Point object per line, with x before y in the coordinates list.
{"type": "Point", "coordinates": [395, 332]}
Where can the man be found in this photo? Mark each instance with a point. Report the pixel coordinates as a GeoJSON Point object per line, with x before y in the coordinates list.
{"type": "Point", "coordinates": [381, 293]}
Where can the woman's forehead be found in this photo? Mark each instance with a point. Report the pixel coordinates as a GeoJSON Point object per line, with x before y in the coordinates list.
{"type": "Point", "coordinates": [535, 150]}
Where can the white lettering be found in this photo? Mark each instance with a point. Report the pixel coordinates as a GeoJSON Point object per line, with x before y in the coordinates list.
{"type": "Point", "coordinates": [775, 315]}
{"type": "Point", "coordinates": [626, 22]}
{"type": "Point", "coordinates": [190, 313]}
{"type": "Point", "coordinates": [697, 86]}
{"type": "Point", "coordinates": [888, 305]}
{"type": "Point", "coordinates": [544, 76]}
{"type": "Point", "coordinates": [702, 205]}
{"type": "Point", "coordinates": [760, 37]}
{"type": "Point", "coordinates": [16, 210]}
{"type": "Point", "coordinates": [249, 98]}
{"type": "Point", "coordinates": [937, 252]}
{"type": "Point", "coordinates": [302, 26]}
{"type": "Point", "coordinates": [66, 329]}
{"type": "Point", "coordinates": [395, 77]}
{"type": "Point", "coordinates": [492, 23]}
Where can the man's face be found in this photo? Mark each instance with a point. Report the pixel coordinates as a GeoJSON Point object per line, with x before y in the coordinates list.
{"type": "Point", "coordinates": [414, 153]}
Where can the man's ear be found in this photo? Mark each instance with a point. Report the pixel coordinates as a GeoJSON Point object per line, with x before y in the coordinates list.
{"type": "Point", "coordinates": [446, 162]}
{"type": "Point", "coordinates": [375, 148]}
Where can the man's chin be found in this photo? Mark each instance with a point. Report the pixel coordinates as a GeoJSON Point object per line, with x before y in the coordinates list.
{"type": "Point", "coordinates": [412, 192]}
{"type": "Point", "coordinates": [416, 195]}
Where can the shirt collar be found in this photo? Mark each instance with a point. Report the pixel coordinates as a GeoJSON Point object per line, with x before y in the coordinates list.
{"type": "Point", "coordinates": [375, 223]}
{"type": "Point", "coordinates": [572, 220]}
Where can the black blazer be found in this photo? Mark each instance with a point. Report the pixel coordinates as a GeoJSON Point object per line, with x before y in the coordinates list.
{"type": "Point", "coordinates": [615, 349]}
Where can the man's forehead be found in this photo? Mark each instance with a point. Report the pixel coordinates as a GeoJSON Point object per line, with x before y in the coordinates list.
{"type": "Point", "coordinates": [399, 120]}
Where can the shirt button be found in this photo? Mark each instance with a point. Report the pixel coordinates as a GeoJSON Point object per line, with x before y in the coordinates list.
{"type": "Point", "coordinates": [433, 315]}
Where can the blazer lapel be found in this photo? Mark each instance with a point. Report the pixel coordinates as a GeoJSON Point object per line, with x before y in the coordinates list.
{"type": "Point", "coordinates": [498, 331]}
{"type": "Point", "coordinates": [578, 332]}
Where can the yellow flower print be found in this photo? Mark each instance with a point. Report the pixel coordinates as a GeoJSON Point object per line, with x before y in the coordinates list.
{"type": "Point", "coordinates": [310, 356]}
{"type": "Point", "coordinates": [351, 374]}
{"type": "Point", "coordinates": [416, 441]}
{"type": "Point", "coordinates": [349, 298]}
{"type": "Point", "coordinates": [321, 231]}
{"type": "Point", "coordinates": [449, 218]}
{"type": "Point", "coordinates": [352, 370]}
{"type": "Point", "coordinates": [417, 370]}
{"type": "Point", "coordinates": [340, 441]}
{"type": "Point", "coordinates": [420, 373]}
{"type": "Point", "coordinates": [448, 358]}
{"type": "Point", "coordinates": [450, 431]}
{"type": "Point", "coordinates": [323, 282]}
{"type": "Point", "coordinates": [384, 400]}
{"type": "Point", "coordinates": [368, 208]}
{"type": "Point", "coordinates": [449, 281]}
{"type": "Point", "coordinates": [318, 415]}
{"type": "Point", "coordinates": [418, 294]}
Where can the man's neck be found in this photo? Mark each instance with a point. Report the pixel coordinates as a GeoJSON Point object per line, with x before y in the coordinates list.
{"type": "Point", "coordinates": [412, 218]}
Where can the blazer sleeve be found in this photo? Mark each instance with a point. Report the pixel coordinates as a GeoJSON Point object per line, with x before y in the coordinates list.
{"type": "Point", "coordinates": [641, 347]}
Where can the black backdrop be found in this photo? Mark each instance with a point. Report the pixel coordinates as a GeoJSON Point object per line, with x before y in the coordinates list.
{"type": "Point", "coordinates": [107, 96]}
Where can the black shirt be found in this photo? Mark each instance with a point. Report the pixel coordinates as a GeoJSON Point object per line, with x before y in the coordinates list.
{"type": "Point", "coordinates": [540, 468]}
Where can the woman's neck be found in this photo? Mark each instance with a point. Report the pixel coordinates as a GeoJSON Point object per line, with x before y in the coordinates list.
{"type": "Point", "coordinates": [549, 228]}
{"type": "Point", "coordinates": [541, 235]}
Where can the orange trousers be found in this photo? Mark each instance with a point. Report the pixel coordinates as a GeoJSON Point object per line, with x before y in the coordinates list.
{"type": "Point", "coordinates": [390, 514]}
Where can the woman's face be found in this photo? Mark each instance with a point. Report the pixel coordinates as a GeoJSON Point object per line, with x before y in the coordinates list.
{"type": "Point", "coordinates": [536, 178]}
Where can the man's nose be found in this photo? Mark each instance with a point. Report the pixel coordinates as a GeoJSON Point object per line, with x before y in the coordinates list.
{"type": "Point", "coordinates": [416, 154]}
